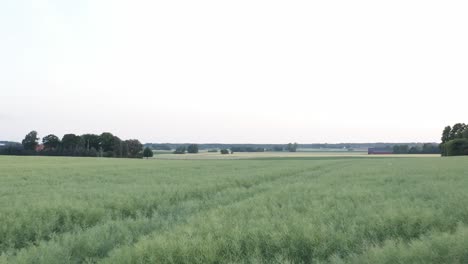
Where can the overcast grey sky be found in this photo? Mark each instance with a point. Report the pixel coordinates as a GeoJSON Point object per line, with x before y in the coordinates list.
{"type": "Point", "coordinates": [234, 71]}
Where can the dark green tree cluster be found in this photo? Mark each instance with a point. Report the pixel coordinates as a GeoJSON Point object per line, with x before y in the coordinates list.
{"type": "Point", "coordinates": [277, 148]}
{"type": "Point", "coordinates": [154, 146]}
{"type": "Point", "coordinates": [455, 140]}
{"type": "Point", "coordinates": [247, 149]}
{"type": "Point", "coordinates": [180, 150]}
{"type": "Point", "coordinates": [225, 151]}
{"type": "Point", "coordinates": [292, 147]}
{"type": "Point", "coordinates": [30, 141]}
{"type": "Point", "coordinates": [426, 148]}
{"type": "Point", "coordinates": [192, 148]}
{"type": "Point", "coordinates": [87, 145]}
{"type": "Point", "coordinates": [400, 149]}
{"type": "Point", "coordinates": [147, 153]}
{"type": "Point", "coordinates": [13, 148]}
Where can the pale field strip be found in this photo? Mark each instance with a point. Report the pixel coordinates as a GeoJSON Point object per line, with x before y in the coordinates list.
{"type": "Point", "coordinates": [252, 155]}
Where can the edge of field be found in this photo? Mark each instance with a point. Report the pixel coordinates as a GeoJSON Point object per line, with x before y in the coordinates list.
{"type": "Point", "coordinates": [283, 155]}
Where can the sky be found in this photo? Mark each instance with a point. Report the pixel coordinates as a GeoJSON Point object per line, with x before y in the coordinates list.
{"type": "Point", "coordinates": [244, 71]}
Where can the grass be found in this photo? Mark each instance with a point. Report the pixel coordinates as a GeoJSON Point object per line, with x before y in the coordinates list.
{"type": "Point", "coordinates": [312, 209]}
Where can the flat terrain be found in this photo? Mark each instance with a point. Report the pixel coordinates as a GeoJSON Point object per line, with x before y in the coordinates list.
{"type": "Point", "coordinates": [301, 154]}
{"type": "Point", "coordinates": [300, 209]}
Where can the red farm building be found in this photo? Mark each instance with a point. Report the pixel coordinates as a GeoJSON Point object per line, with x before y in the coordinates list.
{"type": "Point", "coordinates": [39, 147]}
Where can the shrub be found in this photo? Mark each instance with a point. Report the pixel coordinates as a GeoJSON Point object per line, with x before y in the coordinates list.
{"type": "Point", "coordinates": [180, 150]}
{"type": "Point", "coordinates": [147, 153]}
{"type": "Point", "coordinates": [224, 151]}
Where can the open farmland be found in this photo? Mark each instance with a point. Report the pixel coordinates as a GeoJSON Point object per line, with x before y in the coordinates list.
{"type": "Point", "coordinates": [267, 155]}
{"type": "Point", "coordinates": [316, 209]}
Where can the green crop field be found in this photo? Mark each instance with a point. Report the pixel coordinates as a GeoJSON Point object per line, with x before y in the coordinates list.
{"type": "Point", "coordinates": [329, 209]}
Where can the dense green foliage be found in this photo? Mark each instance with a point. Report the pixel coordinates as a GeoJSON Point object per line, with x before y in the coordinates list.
{"type": "Point", "coordinates": [51, 142]}
{"type": "Point", "coordinates": [12, 148]}
{"type": "Point", "coordinates": [147, 153]}
{"type": "Point", "coordinates": [246, 149]}
{"type": "Point", "coordinates": [303, 210]}
{"type": "Point", "coordinates": [455, 140]}
{"type": "Point", "coordinates": [180, 150]}
{"type": "Point", "coordinates": [87, 145]}
{"type": "Point", "coordinates": [156, 146]}
{"type": "Point", "coordinates": [30, 141]}
{"type": "Point", "coordinates": [456, 147]}
{"type": "Point", "coordinates": [224, 151]}
{"type": "Point", "coordinates": [192, 148]}
{"type": "Point", "coordinates": [426, 148]}
{"type": "Point", "coordinates": [292, 147]}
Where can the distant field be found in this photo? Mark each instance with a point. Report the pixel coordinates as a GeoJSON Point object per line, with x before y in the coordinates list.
{"type": "Point", "coordinates": [272, 209]}
{"type": "Point", "coordinates": [331, 150]}
{"type": "Point", "coordinates": [305, 154]}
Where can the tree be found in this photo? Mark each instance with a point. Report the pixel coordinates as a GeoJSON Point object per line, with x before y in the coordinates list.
{"type": "Point", "coordinates": [12, 149]}
{"type": "Point", "coordinates": [278, 148]}
{"type": "Point", "coordinates": [91, 141]}
{"type": "Point", "coordinates": [400, 149]}
{"type": "Point", "coordinates": [124, 149]}
{"type": "Point", "coordinates": [110, 145]}
{"type": "Point", "coordinates": [147, 153]}
{"type": "Point", "coordinates": [414, 150]}
{"type": "Point", "coordinates": [453, 140]}
{"type": "Point", "coordinates": [30, 141]}
{"type": "Point", "coordinates": [159, 146]}
{"type": "Point", "coordinates": [246, 149]}
{"type": "Point", "coordinates": [118, 147]}
{"type": "Point", "coordinates": [465, 133]}
{"type": "Point", "coordinates": [292, 147]}
{"type": "Point", "coordinates": [457, 131]}
{"type": "Point", "coordinates": [51, 142]}
{"type": "Point", "coordinates": [107, 141]}
{"type": "Point", "coordinates": [429, 148]}
{"type": "Point", "coordinates": [457, 147]}
{"type": "Point", "coordinates": [193, 148]}
{"type": "Point", "coordinates": [70, 141]}
{"type": "Point", "coordinates": [224, 151]}
{"type": "Point", "coordinates": [180, 150]}
{"type": "Point", "coordinates": [134, 148]}
{"type": "Point", "coordinates": [446, 134]}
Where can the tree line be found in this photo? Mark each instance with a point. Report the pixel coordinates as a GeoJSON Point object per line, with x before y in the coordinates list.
{"type": "Point", "coordinates": [275, 147]}
{"type": "Point", "coordinates": [86, 145]}
{"type": "Point", "coordinates": [192, 148]}
{"type": "Point", "coordinates": [455, 140]}
{"type": "Point", "coordinates": [426, 148]}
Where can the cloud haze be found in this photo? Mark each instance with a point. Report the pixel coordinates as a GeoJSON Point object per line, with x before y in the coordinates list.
{"type": "Point", "coordinates": [234, 71]}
